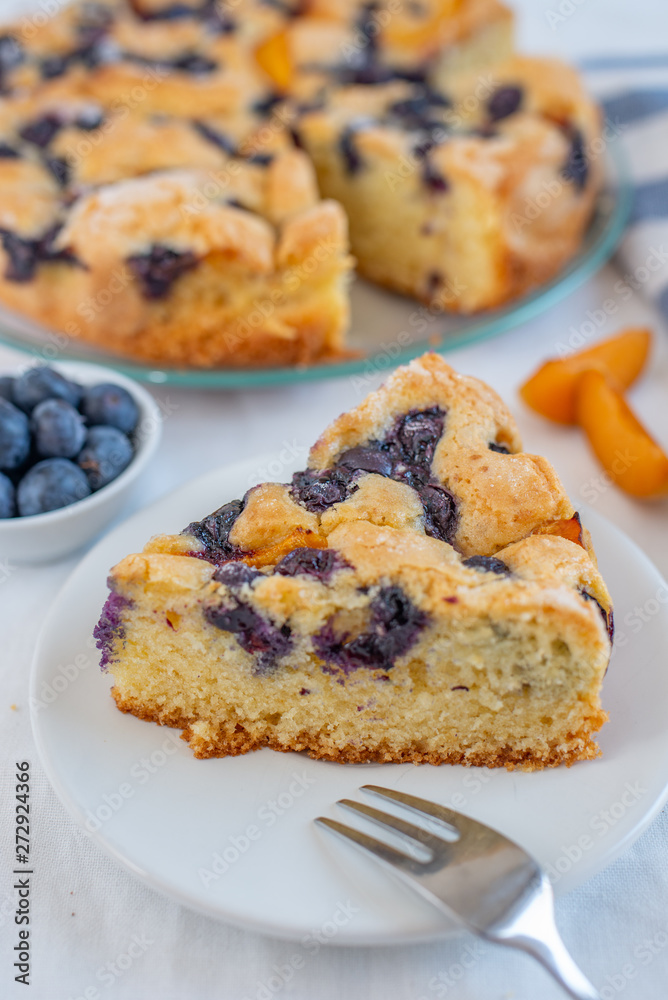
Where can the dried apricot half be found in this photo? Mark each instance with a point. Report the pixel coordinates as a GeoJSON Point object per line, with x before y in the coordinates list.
{"type": "Point", "coordinates": [551, 391]}
{"type": "Point", "coordinates": [630, 456]}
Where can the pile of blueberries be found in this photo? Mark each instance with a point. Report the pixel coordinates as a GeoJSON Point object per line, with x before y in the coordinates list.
{"type": "Point", "coordinates": [60, 441]}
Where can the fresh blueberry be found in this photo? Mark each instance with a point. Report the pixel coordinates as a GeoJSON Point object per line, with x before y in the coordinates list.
{"type": "Point", "coordinates": [11, 52]}
{"type": "Point", "coordinates": [110, 405]}
{"type": "Point", "coordinates": [14, 436]}
{"type": "Point", "coordinates": [7, 497]}
{"type": "Point", "coordinates": [106, 452]}
{"type": "Point", "coordinates": [6, 387]}
{"type": "Point", "coordinates": [60, 168]}
{"type": "Point", "coordinates": [53, 66]}
{"type": "Point", "coordinates": [58, 429]}
{"type": "Point", "coordinates": [193, 62]}
{"type": "Point", "coordinates": [40, 383]}
{"type": "Point", "coordinates": [53, 483]}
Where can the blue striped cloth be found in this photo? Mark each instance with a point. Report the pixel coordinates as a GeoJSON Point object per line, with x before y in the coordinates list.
{"type": "Point", "coordinates": [633, 91]}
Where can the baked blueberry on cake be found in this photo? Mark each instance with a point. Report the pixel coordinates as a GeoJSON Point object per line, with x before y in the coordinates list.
{"type": "Point", "coordinates": [465, 198]}
{"type": "Point", "coordinates": [174, 266]}
{"type": "Point", "coordinates": [423, 591]}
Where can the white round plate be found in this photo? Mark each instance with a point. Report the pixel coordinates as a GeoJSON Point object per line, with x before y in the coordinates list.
{"type": "Point", "coordinates": [234, 837]}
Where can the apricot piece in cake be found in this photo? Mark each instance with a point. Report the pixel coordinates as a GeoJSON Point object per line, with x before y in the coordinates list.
{"type": "Point", "coordinates": [552, 390]}
{"type": "Point", "coordinates": [631, 457]}
{"type": "Point", "coordinates": [273, 56]}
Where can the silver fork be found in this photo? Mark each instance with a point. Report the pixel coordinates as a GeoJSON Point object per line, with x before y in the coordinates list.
{"type": "Point", "coordinates": [479, 876]}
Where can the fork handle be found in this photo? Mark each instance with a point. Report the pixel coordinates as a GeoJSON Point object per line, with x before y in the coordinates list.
{"type": "Point", "coordinates": [556, 959]}
{"type": "Point", "coordinates": [534, 931]}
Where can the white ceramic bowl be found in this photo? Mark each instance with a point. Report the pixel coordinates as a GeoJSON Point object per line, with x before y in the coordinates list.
{"type": "Point", "coordinates": [45, 537]}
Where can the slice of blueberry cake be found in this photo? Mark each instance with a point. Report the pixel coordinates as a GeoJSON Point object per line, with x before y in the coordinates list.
{"type": "Point", "coordinates": [423, 591]}
{"type": "Point", "coordinates": [464, 199]}
{"type": "Point", "coordinates": [239, 266]}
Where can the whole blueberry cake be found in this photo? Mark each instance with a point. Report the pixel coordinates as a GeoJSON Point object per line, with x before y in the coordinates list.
{"type": "Point", "coordinates": [423, 591]}
{"type": "Point", "coordinates": [158, 161]}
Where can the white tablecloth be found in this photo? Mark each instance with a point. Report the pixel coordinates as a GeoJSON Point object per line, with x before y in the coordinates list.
{"type": "Point", "coordinates": [100, 934]}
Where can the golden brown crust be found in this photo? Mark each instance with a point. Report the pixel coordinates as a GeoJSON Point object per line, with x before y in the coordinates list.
{"type": "Point", "coordinates": [501, 498]}
{"type": "Point", "coordinates": [233, 743]}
